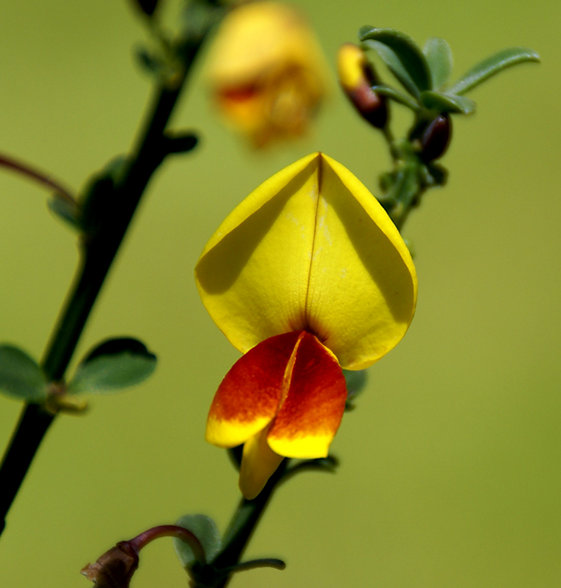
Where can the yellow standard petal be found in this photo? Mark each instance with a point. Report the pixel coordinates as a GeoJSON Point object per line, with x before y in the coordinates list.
{"type": "Point", "coordinates": [253, 273]}
{"type": "Point", "coordinates": [311, 249]}
{"type": "Point", "coordinates": [362, 287]}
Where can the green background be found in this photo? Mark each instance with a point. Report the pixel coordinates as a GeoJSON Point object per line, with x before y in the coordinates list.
{"type": "Point", "coordinates": [450, 472]}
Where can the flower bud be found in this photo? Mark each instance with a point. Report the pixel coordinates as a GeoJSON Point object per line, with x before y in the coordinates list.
{"type": "Point", "coordinates": [115, 568]}
{"type": "Point", "coordinates": [357, 77]}
{"type": "Point", "coordinates": [436, 137]}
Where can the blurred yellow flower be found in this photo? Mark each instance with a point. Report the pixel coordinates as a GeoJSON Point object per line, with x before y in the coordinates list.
{"type": "Point", "coordinates": [306, 276]}
{"type": "Point", "coordinates": [267, 72]}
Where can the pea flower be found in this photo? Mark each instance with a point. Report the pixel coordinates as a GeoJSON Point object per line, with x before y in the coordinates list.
{"type": "Point", "coordinates": [267, 72]}
{"type": "Point", "coordinates": [306, 276]}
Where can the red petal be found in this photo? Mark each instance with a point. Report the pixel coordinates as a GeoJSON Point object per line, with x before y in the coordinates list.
{"type": "Point", "coordinates": [312, 410]}
{"type": "Point", "coordinates": [249, 396]}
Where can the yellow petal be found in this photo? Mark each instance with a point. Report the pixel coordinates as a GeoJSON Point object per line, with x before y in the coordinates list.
{"type": "Point", "coordinates": [310, 249]}
{"type": "Point", "coordinates": [253, 273]}
{"type": "Point", "coordinates": [350, 66]}
{"type": "Point", "coordinates": [259, 37]}
{"type": "Point", "coordinates": [258, 465]}
{"type": "Point", "coordinates": [362, 289]}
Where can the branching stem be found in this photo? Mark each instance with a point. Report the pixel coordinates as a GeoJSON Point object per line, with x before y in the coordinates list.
{"type": "Point", "coordinates": [94, 266]}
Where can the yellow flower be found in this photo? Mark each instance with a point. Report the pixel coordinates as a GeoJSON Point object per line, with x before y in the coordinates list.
{"type": "Point", "coordinates": [267, 72]}
{"type": "Point", "coordinates": [306, 276]}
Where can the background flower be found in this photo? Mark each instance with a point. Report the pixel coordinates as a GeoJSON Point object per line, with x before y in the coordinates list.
{"type": "Point", "coordinates": [267, 72]}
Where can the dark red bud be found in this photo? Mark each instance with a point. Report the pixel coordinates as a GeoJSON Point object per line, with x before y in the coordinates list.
{"type": "Point", "coordinates": [357, 76]}
{"type": "Point", "coordinates": [114, 569]}
{"type": "Point", "coordinates": [371, 106]}
{"type": "Point", "coordinates": [436, 137]}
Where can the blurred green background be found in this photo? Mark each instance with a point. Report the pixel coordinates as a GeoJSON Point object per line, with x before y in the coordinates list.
{"type": "Point", "coordinates": [450, 472]}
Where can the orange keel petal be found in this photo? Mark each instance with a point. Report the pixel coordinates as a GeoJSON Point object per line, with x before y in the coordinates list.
{"type": "Point", "coordinates": [249, 396]}
{"type": "Point", "coordinates": [314, 402]}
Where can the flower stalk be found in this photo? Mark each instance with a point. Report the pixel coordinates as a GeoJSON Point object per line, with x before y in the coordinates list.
{"type": "Point", "coordinates": [42, 178]}
{"type": "Point", "coordinates": [236, 538]}
{"type": "Point", "coordinates": [115, 568]}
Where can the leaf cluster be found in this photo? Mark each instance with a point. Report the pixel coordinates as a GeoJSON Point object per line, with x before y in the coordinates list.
{"type": "Point", "coordinates": [424, 73]}
{"type": "Point", "coordinates": [112, 365]}
{"type": "Point", "coordinates": [423, 76]}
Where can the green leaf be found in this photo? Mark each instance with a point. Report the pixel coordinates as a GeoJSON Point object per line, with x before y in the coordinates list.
{"type": "Point", "coordinates": [402, 56]}
{"type": "Point", "coordinates": [149, 61]}
{"type": "Point", "coordinates": [397, 96]}
{"type": "Point", "coordinates": [20, 375]}
{"type": "Point", "coordinates": [433, 174]}
{"type": "Point", "coordinates": [491, 66]}
{"type": "Point", "coordinates": [439, 58]}
{"type": "Point", "coordinates": [65, 209]}
{"type": "Point", "coordinates": [114, 364]}
{"type": "Point", "coordinates": [262, 562]}
{"type": "Point", "coordinates": [100, 199]}
{"type": "Point", "coordinates": [206, 531]}
{"type": "Point", "coordinates": [356, 381]}
{"type": "Point", "coordinates": [406, 186]}
{"type": "Point", "coordinates": [444, 102]}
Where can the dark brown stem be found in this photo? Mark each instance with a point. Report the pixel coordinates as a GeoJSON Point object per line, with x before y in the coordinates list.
{"type": "Point", "coordinates": [140, 541]}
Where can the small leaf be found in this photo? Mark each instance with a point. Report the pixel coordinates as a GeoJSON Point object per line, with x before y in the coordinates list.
{"type": "Point", "coordinates": [406, 186]}
{"type": "Point", "coordinates": [439, 57]}
{"type": "Point", "coordinates": [395, 66]}
{"type": "Point", "coordinates": [491, 66]}
{"type": "Point", "coordinates": [262, 562]}
{"type": "Point", "coordinates": [149, 61]}
{"type": "Point", "coordinates": [206, 531]}
{"type": "Point", "coordinates": [100, 199]}
{"type": "Point", "coordinates": [444, 102]}
{"type": "Point", "coordinates": [114, 364]}
{"type": "Point", "coordinates": [432, 174]}
{"type": "Point", "coordinates": [179, 143]}
{"type": "Point", "coordinates": [20, 375]}
{"type": "Point", "coordinates": [397, 96]}
{"type": "Point", "coordinates": [66, 209]}
{"type": "Point", "coordinates": [356, 381]}
{"type": "Point", "coordinates": [402, 56]}
{"type": "Point", "coordinates": [327, 464]}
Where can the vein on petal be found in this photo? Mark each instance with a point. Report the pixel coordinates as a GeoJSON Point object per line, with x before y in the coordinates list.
{"type": "Point", "coordinates": [314, 235]}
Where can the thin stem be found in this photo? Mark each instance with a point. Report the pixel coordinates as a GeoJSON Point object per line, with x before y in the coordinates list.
{"type": "Point", "coordinates": [31, 429]}
{"type": "Point", "coordinates": [388, 136]}
{"type": "Point", "coordinates": [140, 541]}
{"type": "Point", "coordinates": [39, 176]}
{"type": "Point", "coordinates": [96, 262]}
{"type": "Point", "coordinates": [239, 532]}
